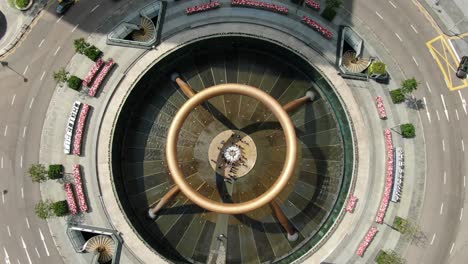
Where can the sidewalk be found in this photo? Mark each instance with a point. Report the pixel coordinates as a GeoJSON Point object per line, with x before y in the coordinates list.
{"type": "Point", "coordinates": [450, 15]}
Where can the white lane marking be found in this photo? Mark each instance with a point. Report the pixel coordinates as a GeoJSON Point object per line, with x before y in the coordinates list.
{"type": "Point", "coordinates": [445, 177]}
{"type": "Point", "coordinates": [456, 113]}
{"type": "Point", "coordinates": [22, 193]}
{"type": "Point", "coordinates": [438, 117]}
{"type": "Point", "coordinates": [451, 249]}
{"type": "Point", "coordinates": [30, 104]}
{"type": "Point", "coordinates": [7, 258]}
{"type": "Point", "coordinates": [414, 29]}
{"type": "Point", "coordinates": [42, 76]}
{"type": "Point", "coordinates": [461, 214]}
{"type": "Point", "coordinates": [58, 20]}
{"type": "Point", "coordinates": [8, 229]}
{"type": "Point", "coordinates": [74, 28]}
{"type": "Point", "coordinates": [398, 36]}
{"type": "Point", "coordinates": [463, 102]}
{"type": "Point", "coordinates": [414, 59]}
{"type": "Point", "coordinates": [13, 99]}
{"type": "Point", "coordinates": [24, 131]}
{"type": "Point", "coordinates": [37, 252]}
{"type": "Point", "coordinates": [428, 87]}
{"type": "Point", "coordinates": [26, 70]}
{"type": "Point", "coordinates": [463, 145]}
{"type": "Point", "coordinates": [40, 44]}
{"type": "Point", "coordinates": [464, 181]}
{"type": "Point", "coordinates": [394, 6]}
{"type": "Point", "coordinates": [26, 250]}
{"type": "Point", "coordinates": [454, 50]}
{"type": "Point", "coordinates": [3, 198]}
{"type": "Point", "coordinates": [18, 261]}
{"type": "Point", "coordinates": [443, 145]}
{"type": "Point", "coordinates": [441, 208]}
{"type": "Point", "coordinates": [433, 237]}
{"type": "Point", "coordinates": [94, 8]}
{"type": "Point", "coordinates": [2, 163]}
{"type": "Point", "coordinates": [43, 242]}
{"type": "Point", "coordinates": [378, 15]}
{"type": "Point", "coordinates": [21, 161]}
{"type": "Point", "coordinates": [55, 53]}
{"type": "Point", "coordinates": [445, 107]}
{"type": "Point", "coordinates": [6, 130]}
{"type": "Point", "coordinates": [427, 110]}
{"type": "Point", "coordinates": [27, 223]}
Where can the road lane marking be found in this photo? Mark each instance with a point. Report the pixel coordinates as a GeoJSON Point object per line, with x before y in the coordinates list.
{"type": "Point", "coordinates": [42, 76]}
{"type": "Point", "coordinates": [428, 87]}
{"type": "Point", "coordinates": [2, 163]}
{"type": "Point", "coordinates": [398, 36]}
{"type": "Point", "coordinates": [456, 113]}
{"type": "Point", "coordinates": [461, 214]}
{"type": "Point", "coordinates": [443, 145]}
{"type": "Point", "coordinates": [22, 193]}
{"type": "Point", "coordinates": [441, 208]}
{"type": "Point", "coordinates": [438, 117]}
{"type": "Point", "coordinates": [433, 237]}
{"type": "Point", "coordinates": [57, 51]}
{"type": "Point", "coordinates": [390, 2]}
{"type": "Point", "coordinates": [463, 146]}
{"type": "Point", "coordinates": [26, 70]}
{"type": "Point", "coordinates": [3, 198]}
{"type": "Point", "coordinates": [26, 250]}
{"type": "Point", "coordinates": [74, 28]}
{"type": "Point", "coordinates": [27, 223]}
{"type": "Point", "coordinates": [24, 131]}
{"type": "Point", "coordinates": [6, 130]}
{"type": "Point", "coordinates": [8, 229]}
{"type": "Point", "coordinates": [21, 161]}
{"type": "Point", "coordinates": [414, 29]}
{"type": "Point", "coordinates": [30, 104]}
{"type": "Point", "coordinates": [7, 258]}
{"type": "Point", "coordinates": [451, 249]}
{"type": "Point", "coordinates": [58, 20]}
{"type": "Point", "coordinates": [427, 110]}
{"type": "Point", "coordinates": [463, 102]}
{"type": "Point", "coordinates": [13, 99]}
{"type": "Point", "coordinates": [40, 44]}
{"type": "Point", "coordinates": [37, 252]}
{"type": "Point", "coordinates": [378, 15]}
{"type": "Point", "coordinates": [414, 59]}
{"type": "Point", "coordinates": [445, 107]}
{"type": "Point", "coordinates": [445, 177]}
{"type": "Point", "coordinates": [43, 242]}
{"type": "Point", "coordinates": [94, 8]}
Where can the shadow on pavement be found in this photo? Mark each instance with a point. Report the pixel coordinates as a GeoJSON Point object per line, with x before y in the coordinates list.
{"type": "Point", "coordinates": [3, 25]}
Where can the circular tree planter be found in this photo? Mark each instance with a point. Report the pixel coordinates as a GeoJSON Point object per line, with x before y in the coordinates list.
{"type": "Point", "coordinates": [31, 2]}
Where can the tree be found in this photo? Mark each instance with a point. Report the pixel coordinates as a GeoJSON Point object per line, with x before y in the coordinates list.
{"type": "Point", "coordinates": [409, 85]}
{"type": "Point", "coordinates": [38, 172]}
{"type": "Point", "coordinates": [389, 257]}
{"type": "Point", "coordinates": [333, 4]}
{"type": "Point", "coordinates": [408, 131]}
{"type": "Point", "coordinates": [74, 82]}
{"type": "Point", "coordinates": [61, 76]}
{"type": "Point", "coordinates": [81, 45]}
{"type": "Point", "coordinates": [55, 171]}
{"type": "Point", "coordinates": [43, 209]}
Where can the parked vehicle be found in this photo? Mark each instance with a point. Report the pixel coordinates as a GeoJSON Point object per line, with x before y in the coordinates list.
{"type": "Point", "coordinates": [64, 6]}
{"type": "Point", "coordinates": [462, 70]}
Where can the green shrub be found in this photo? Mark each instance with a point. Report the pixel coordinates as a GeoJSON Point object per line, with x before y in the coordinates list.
{"type": "Point", "coordinates": [328, 14]}
{"type": "Point", "coordinates": [408, 130]}
{"type": "Point", "coordinates": [93, 53]}
{"type": "Point", "coordinates": [397, 96]}
{"type": "Point", "coordinates": [55, 171]}
{"type": "Point", "coordinates": [37, 172]}
{"type": "Point", "coordinates": [22, 3]}
{"type": "Point", "coordinates": [42, 209]}
{"type": "Point", "coordinates": [74, 82]}
{"type": "Point", "coordinates": [390, 257]}
{"type": "Point", "coordinates": [60, 208]}
{"type": "Point", "coordinates": [399, 224]}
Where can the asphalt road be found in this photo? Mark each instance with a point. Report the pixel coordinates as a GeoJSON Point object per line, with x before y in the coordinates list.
{"type": "Point", "coordinates": [404, 31]}
{"type": "Point", "coordinates": [24, 238]}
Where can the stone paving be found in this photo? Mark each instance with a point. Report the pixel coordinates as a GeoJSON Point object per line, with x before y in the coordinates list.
{"type": "Point", "coordinates": [369, 128]}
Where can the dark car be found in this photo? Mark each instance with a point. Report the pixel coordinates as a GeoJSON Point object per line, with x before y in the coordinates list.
{"type": "Point", "coordinates": [463, 68]}
{"type": "Point", "coordinates": [64, 5]}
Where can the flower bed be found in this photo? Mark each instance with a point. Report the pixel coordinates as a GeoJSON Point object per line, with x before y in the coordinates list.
{"type": "Point", "coordinates": [367, 239]}
{"type": "Point", "coordinates": [312, 4]}
{"type": "Point", "coordinates": [79, 129]}
{"type": "Point", "coordinates": [351, 204]}
{"type": "Point", "coordinates": [381, 107]}
{"type": "Point", "coordinates": [70, 199]}
{"type": "Point", "coordinates": [317, 27]}
{"type": "Point", "coordinates": [100, 78]}
{"type": "Point", "coordinates": [79, 189]}
{"type": "Point", "coordinates": [92, 73]}
{"type": "Point", "coordinates": [202, 7]}
{"type": "Point", "coordinates": [260, 4]}
{"type": "Point", "coordinates": [389, 178]}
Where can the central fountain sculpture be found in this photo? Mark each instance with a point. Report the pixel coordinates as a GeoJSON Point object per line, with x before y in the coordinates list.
{"type": "Point", "coordinates": [232, 153]}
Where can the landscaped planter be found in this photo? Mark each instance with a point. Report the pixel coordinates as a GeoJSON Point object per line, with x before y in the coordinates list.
{"type": "Point", "coordinates": [31, 2]}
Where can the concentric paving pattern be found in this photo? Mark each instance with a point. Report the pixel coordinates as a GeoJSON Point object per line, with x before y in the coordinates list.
{"type": "Point", "coordinates": [184, 232]}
